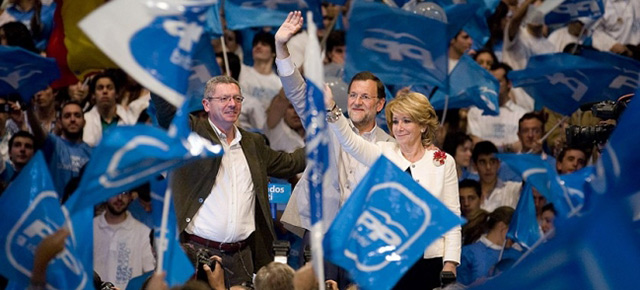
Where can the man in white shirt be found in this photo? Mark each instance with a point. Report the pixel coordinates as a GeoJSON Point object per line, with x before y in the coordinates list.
{"type": "Point", "coordinates": [495, 192]}
{"type": "Point", "coordinates": [222, 203]}
{"type": "Point", "coordinates": [121, 244]}
{"type": "Point", "coordinates": [502, 130]}
{"type": "Point", "coordinates": [620, 25]}
{"type": "Point", "coordinates": [458, 45]}
{"type": "Point", "coordinates": [522, 42]}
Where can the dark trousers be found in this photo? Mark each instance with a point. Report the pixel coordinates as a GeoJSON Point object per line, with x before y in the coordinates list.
{"type": "Point", "coordinates": [424, 274]}
{"type": "Point", "coordinates": [240, 263]}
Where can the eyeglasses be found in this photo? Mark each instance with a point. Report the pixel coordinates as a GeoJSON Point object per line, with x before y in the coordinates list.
{"type": "Point", "coordinates": [225, 99]}
{"type": "Point", "coordinates": [364, 97]}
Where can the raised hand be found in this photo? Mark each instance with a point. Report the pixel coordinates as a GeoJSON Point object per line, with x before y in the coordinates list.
{"type": "Point", "coordinates": [289, 27]}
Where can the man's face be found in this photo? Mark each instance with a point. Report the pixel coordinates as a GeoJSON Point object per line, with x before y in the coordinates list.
{"type": "Point", "coordinates": [72, 119]}
{"type": "Point", "coordinates": [118, 204]}
{"type": "Point", "coordinates": [530, 132]}
{"type": "Point", "coordinates": [105, 93]}
{"type": "Point", "coordinates": [487, 166]}
{"type": "Point", "coordinates": [223, 114]}
{"type": "Point", "coordinates": [538, 200]}
{"type": "Point", "coordinates": [469, 200]}
{"type": "Point", "coordinates": [262, 51]}
{"type": "Point", "coordinates": [21, 151]}
{"type": "Point", "coordinates": [362, 111]}
{"type": "Point", "coordinates": [292, 119]}
{"type": "Point", "coordinates": [461, 43]}
{"type": "Point", "coordinates": [337, 54]}
{"type": "Point", "coordinates": [78, 92]}
{"type": "Point", "coordinates": [44, 98]}
{"type": "Point", "coordinates": [573, 160]}
{"type": "Point", "coordinates": [485, 60]}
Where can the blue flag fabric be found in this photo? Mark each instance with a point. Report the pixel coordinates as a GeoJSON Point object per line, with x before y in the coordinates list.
{"type": "Point", "coordinates": [175, 263]}
{"type": "Point", "coordinates": [627, 79]}
{"type": "Point", "coordinates": [384, 226]}
{"type": "Point", "coordinates": [562, 82]}
{"type": "Point", "coordinates": [241, 14]}
{"type": "Point", "coordinates": [597, 251]}
{"type": "Point", "coordinates": [574, 9]}
{"type": "Point", "coordinates": [469, 85]}
{"type": "Point", "coordinates": [458, 17]}
{"type": "Point", "coordinates": [396, 47]}
{"type": "Point", "coordinates": [133, 155]}
{"type": "Point", "coordinates": [577, 186]}
{"type": "Point", "coordinates": [30, 210]}
{"type": "Point", "coordinates": [174, 70]}
{"type": "Point", "coordinates": [524, 228]}
{"type": "Point", "coordinates": [615, 171]}
{"type": "Point", "coordinates": [544, 178]}
{"type": "Point", "coordinates": [213, 25]}
{"type": "Point", "coordinates": [25, 72]}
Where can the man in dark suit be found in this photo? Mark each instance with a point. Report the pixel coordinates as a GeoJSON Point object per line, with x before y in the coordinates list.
{"type": "Point", "coordinates": [222, 203]}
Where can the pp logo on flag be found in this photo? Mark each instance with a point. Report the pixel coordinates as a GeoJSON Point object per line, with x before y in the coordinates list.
{"type": "Point", "coordinates": [402, 45]}
{"type": "Point", "coordinates": [28, 232]}
{"type": "Point", "coordinates": [386, 229]}
{"type": "Point", "coordinates": [580, 8]}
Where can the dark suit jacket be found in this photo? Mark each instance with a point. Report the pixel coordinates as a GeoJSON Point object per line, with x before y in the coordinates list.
{"type": "Point", "coordinates": [192, 183]}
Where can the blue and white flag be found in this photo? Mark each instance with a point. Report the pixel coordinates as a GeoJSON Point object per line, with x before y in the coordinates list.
{"type": "Point", "coordinates": [213, 24]}
{"type": "Point", "coordinates": [241, 14]}
{"type": "Point", "coordinates": [597, 251]}
{"type": "Point", "coordinates": [129, 31]}
{"type": "Point", "coordinates": [384, 226]}
{"type": "Point", "coordinates": [469, 85]}
{"type": "Point", "coordinates": [25, 72]}
{"type": "Point", "coordinates": [396, 47]}
{"type": "Point", "coordinates": [562, 82]}
{"type": "Point", "coordinates": [458, 16]}
{"type": "Point", "coordinates": [133, 155]}
{"type": "Point", "coordinates": [174, 262]}
{"type": "Point", "coordinates": [544, 178]}
{"type": "Point", "coordinates": [577, 186]}
{"type": "Point", "coordinates": [30, 210]}
{"type": "Point", "coordinates": [524, 228]}
{"type": "Point", "coordinates": [627, 79]}
{"type": "Point", "coordinates": [317, 140]}
{"type": "Point", "coordinates": [616, 170]}
{"type": "Point", "coordinates": [570, 10]}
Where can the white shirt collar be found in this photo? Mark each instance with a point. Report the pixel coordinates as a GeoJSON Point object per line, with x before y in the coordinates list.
{"type": "Point", "coordinates": [222, 136]}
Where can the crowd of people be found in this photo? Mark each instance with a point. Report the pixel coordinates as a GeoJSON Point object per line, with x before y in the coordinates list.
{"type": "Point", "coordinates": [254, 112]}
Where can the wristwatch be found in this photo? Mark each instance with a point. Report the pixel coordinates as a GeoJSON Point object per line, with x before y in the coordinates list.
{"type": "Point", "coordinates": [334, 114]}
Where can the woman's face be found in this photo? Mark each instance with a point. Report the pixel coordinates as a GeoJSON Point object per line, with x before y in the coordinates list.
{"type": "Point", "coordinates": [484, 60]}
{"type": "Point", "coordinates": [406, 130]}
{"type": "Point", "coordinates": [463, 154]}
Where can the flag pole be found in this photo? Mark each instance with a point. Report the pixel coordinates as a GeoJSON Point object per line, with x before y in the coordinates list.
{"type": "Point", "coordinates": [224, 55]}
{"type": "Point", "coordinates": [538, 243]}
{"type": "Point", "coordinates": [162, 240]}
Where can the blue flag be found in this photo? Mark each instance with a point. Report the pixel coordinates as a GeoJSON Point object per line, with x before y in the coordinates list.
{"type": "Point", "coordinates": [577, 186]}
{"type": "Point", "coordinates": [615, 172]}
{"type": "Point", "coordinates": [544, 178]}
{"type": "Point", "coordinates": [396, 47]}
{"type": "Point", "coordinates": [25, 72]}
{"type": "Point", "coordinates": [598, 251]}
{"type": "Point", "coordinates": [574, 9]}
{"type": "Point", "coordinates": [213, 25]}
{"type": "Point", "coordinates": [175, 262]}
{"type": "Point", "coordinates": [174, 70]}
{"type": "Point", "coordinates": [458, 16]}
{"type": "Point", "coordinates": [627, 79]}
{"type": "Point", "coordinates": [562, 82]}
{"type": "Point", "coordinates": [241, 14]}
{"type": "Point", "coordinates": [524, 228]}
{"type": "Point", "coordinates": [30, 210]}
{"type": "Point", "coordinates": [133, 155]}
{"type": "Point", "coordinates": [385, 226]}
{"type": "Point", "coordinates": [469, 85]}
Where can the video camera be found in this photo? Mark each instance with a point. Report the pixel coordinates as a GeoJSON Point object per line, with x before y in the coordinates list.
{"type": "Point", "coordinates": [598, 134]}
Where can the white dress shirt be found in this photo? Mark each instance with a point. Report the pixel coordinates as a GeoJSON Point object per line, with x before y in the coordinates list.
{"type": "Point", "coordinates": [228, 213]}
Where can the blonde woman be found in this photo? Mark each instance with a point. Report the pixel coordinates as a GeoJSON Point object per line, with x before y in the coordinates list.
{"type": "Point", "coordinates": [413, 123]}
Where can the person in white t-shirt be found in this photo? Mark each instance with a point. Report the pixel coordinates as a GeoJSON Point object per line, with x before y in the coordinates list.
{"type": "Point", "coordinates": [495, 192]}
{"type": "Point", "coordinates": [284, 127]}
{"type": "Point", "coordinates": [260, 81]}
{"type": "Point", "coordinates": [522, 42]}
{"type": "Point", "coordinates": [121, 244]}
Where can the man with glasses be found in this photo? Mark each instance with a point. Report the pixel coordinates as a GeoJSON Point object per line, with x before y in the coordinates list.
{"type": "Point", "coordinates": [366, 98]}
{"type": "Point", "coordinates": [222, 203]}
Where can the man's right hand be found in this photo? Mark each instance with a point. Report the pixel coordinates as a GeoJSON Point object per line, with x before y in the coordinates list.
{"type": "Point", "coordinates": [288, 29]}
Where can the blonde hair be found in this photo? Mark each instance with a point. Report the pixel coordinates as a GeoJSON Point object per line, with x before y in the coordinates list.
{"type": "Point", "coordinates": [419, 109]}
{"type": "Point", "coordinates": [274, 276]}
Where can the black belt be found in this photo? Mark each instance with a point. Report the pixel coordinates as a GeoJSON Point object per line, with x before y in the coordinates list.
{"type": "Point", "coordinates": [224, 247]}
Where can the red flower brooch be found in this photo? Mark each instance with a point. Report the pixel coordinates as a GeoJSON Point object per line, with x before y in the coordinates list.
{"type": "Point", "coordinates": [439, 157]}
